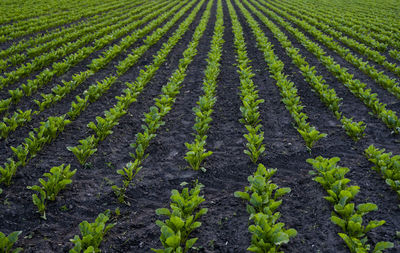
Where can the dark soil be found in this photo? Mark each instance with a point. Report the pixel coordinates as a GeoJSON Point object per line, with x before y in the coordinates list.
{"type": "Point", "coordinates": [225, 227]}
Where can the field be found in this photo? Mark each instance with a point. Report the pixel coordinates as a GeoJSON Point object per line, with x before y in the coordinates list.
{"type": "Point", "coordinates": [200, 126]}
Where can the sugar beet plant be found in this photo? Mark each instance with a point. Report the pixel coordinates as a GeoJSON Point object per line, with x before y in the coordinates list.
{"type": "Point", "coordinates": [346, 215]}
{"type": "Point", "coordinates": [7, 242]}
{"type": "Point", "coordinates": [58, 178]}
{"type": "Point", "coordinates": [382, 79]}
{"type": "Point", "coordinates": [267, 234]}
{"type": "Point", "coordinates": [26, 25]}
{"type": "Point", "coordinates": [355, 86]}
{"type": "Point", "coordinates": [72, 33]}
{"type": "Point", "coordinates": [60, 91]}
{"type": "Point", "coordinates": [182, 220]}
{"type": "Point", "coordinates": [264, 197]}
{"type": "Point", "coordinates": [378, 37]}
{"type": "Point", "coordinates": [37, 139]}
{"type": "Point", "coordinates": [387, 165]}
{"type": "Point", "coordinates": [99, 39]}
{"type": "Point", "coordinates": [90, 95]}
{"type": "Point", "coordinates": [153, 119]}
{"type": "Point", "coordinates": [196, 150]}
{"type": "Point", "coordinates": [287, 88]}
{"type": "Point", "coordinates": [327, 95]}
{"type": "Point", "coordinates": [92, 234]}
{"type": "Point", "coordinates": [104, 126]}
{"type": "Point", "coordinates": [248, 94]}
{"type": "Point", "coordinates": [339, 32]}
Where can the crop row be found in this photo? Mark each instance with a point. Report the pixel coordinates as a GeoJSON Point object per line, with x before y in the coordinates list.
{"type": "Point", "coordinates": [10, 32]}
{"type": "Point", "coordinates": [374, 28]}
{"type": "Point", "coordinates": [287, 88]}
{"type": "Point", "coordinates": [153, 119]}
{"type": "Point", "coordinates": [41, 39]}
{"type": "Point", "coordinates": [248, 94]}
{"type": "Point", "coordinates": [58, 92]}
{"type": "Point", "coordinates": [356, 87]}
{"type": "Point", "coordinates": [69, 34]}
{"type": "Point", "coordinates": [60, 68]}
{"type": "Point", "coordinates": [327, 95]}
{"type": "Point", "coordinates": [346, 215]}
{"type": "Point", "coordinates": [382, 79]}
{"type": "Point", "coordinates": [332, 29]}
{"type": "Point", "coordinates": [262, 197]}
{"type": "Point", "coordinates": [104, 126]}
{"type": "Point", "coordinates": [93, 93]}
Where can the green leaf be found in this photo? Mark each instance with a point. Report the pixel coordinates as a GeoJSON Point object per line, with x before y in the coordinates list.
{"type": "Point", "coordinates": [202, 211]}
{"type": "Point", "coordinates": [291, 232]}
{"type": "Point", "coordinates": [250, 209]}
{"type": "Point", "coordinates": [382, 246]}
{"type": "Point", "coordinates": [280, 238]}
{"type": "Point", "coordinates": [348, 241]}
{"type": "Point", "coordinates": [373, 224]}
{"type": "Point", "coordinates": [281, 191]}
{"type": "Point", "coordinates": [254, 248]}
{"type": "Point", "coordinates": [160, 223]}
{"type": "Point", "coordinates": [190, 243]}
{"type": "Point", "coordinates": [90, 249]}
{"type": "Point", "coordinates": [178, 222]}
{"type": "Point", "coordinates": [195, 225]}
{"type": "Point", "coordinates": [173, 241]}
{"type": "Point", "coordinates": [163, 211]}
{"type": "Point", "coordinates": [242, 195]}
{"type": "Point", "coordinates": [367, 207]}
{"type": "Point", "coordinates": [13, 237]}
{"type": "Point", "coordinates": [167, 231]}
{"type": "Point", "coordinates": [341, 223]}
{"type": "Point", "coordinates": [158, 250]}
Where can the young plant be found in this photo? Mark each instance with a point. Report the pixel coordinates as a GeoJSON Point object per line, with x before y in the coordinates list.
{"type": "Point", "coordinates": [5, 104]}
{"type": "Point", "coordinates": [196, 154]}
{"type": "Point", "coordinates": [128, 173]}
{"type": "Point", "coordinates": [141, 144]}
{"type": "Point", "coordinates": [86, 149]}
{"type": "Point", "coordinates": [250, 108]}
{"type": "Point", "coordinates": [288, 90]}
{"type": "Point", "coordinates": [387, 165]}
{"type": "Point", "coordinates": [58, 178]}
{"type": "Point", "coordinates": [22, 153]}
{"type": "Point", "coordinates": [354, 129]}
{"type": "Point", "coordinates": [202, 121]}
{"type": "Point", "coordinates": [182, 220]}
{"type": "Point", "coordinates": [153, 119]}
{"type": "Point", "coordinates": [8, 171]}
{"type": "Point", "coordinates": [264, 198]}
{"type": "Point", "coordinates": [254, 145]}
{"type": "Point", "coordinates": [346, 215]}
{"type": "Point", "coordinates": [78, 106]}
{"type": "Point", "coordinates": [92, 234]}
{"type": "Point", "coordinates": [19, 118]}
{"type": "Point", "coordinates": [7, 242]}
{"type": "Point", "coordinates": [103, 127]}
{"type": "Point", "coordinates": [16, 95]}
